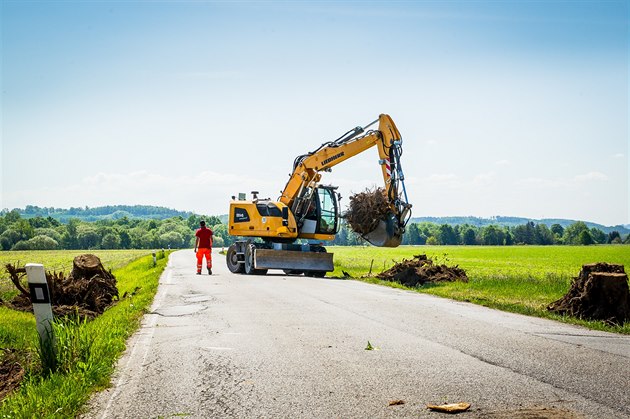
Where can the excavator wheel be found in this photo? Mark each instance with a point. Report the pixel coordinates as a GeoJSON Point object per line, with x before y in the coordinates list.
{"type": "Point", "coordinates": [249, 262]}
{"type": "Point", "coordinates": [232, 260]}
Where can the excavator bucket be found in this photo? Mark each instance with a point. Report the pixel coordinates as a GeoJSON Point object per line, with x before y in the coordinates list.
{"type": "Point", "coordinates": [387, 233]}
{"type": "Point", "coordinates": [293, 260]}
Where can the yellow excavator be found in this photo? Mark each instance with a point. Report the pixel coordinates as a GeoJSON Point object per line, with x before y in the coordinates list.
{"type": "Point", "coordinates": [308, 210]}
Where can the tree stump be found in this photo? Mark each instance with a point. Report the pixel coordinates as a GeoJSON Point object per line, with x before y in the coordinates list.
{"type": "Point", "coordinates": [88, 265]}
{"type": "Point", "coordinates": [600, 292]}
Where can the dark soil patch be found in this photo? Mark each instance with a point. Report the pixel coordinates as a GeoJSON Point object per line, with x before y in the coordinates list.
{"type": "Point", "coordinates": [599, 292]}
{"type": "Point", "coordinates": [421, 270]}
{"type": "Point", "coordinates": [11, 372]}
{"type": "Point", "coordinates": [366, 210]}
{"type": "Point", "coordinates": [86, 292]}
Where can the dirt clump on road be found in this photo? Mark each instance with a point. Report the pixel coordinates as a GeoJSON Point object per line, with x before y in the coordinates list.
{"type": "Point", "coordinates": [421, 270]}
{"type": "Point", "coordinates": [599, 292]}
{"type": "Point", "coordinates": [366, 210]}
{"type": "Point", "coordinates": [87, 291]}
{"type": "Point", "coordinates": [11, 371]}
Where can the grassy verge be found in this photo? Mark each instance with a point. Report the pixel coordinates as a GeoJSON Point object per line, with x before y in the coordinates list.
{"type": "Point", "coordinates": [88, 350]}
{"type": "Point", "coordinates": [519, 279]}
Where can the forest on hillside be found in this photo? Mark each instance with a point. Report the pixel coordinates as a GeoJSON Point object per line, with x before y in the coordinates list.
{"type": "Point", "coordinates": [48, 233]}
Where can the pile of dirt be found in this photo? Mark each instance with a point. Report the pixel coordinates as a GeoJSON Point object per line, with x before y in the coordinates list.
{"type": "Point", "coordinates": [11, 372]}
{"type": "Point", "coordinates": [599, 292]}
{"type": "Point", "coordinates": [420, 270]}
{"type": "Point", "coordinates": [366, 210]}
{"type": "Point", "coordinates": [87, 291]}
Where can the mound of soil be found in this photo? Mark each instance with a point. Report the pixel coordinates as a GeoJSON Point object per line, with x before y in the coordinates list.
{"type": "Point", "coordinates": [11, 372]}
{"type": "Point", "coordinates": [599, 292]}
{"type": "Point", "coordinates": [366, 210]}
{"type": "Point", "coordinates": [420, 270]}
{"type": "Point", "coordinates": [86, 292]}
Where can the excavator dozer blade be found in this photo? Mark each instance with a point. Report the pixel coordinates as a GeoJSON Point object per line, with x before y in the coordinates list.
{"type": "Point", "coordinates": [386, 234]}
{"type": "Point", "coordinates": [293, 260]}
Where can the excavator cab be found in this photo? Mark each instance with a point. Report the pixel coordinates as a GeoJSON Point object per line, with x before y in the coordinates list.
{"type": "Point", "coordinates": [321, 215]}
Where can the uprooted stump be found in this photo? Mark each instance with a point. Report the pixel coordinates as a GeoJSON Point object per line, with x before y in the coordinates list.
{"type": "Point", "coordinates": [599, 292]}
{"type": "Point", "coordinates": [366, 210]}
{"type": "Point", "coordinates": [420, 270]}
{"type": "Point", "coordinates": [87, 291]}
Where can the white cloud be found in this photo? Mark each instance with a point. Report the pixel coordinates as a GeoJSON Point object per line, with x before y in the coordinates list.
{"type": "Point", "coordinates": [502, 163]}
{"type": "Point", "coordinates": [206, 192]}
{"type": "Point", "coordinates": [619, 156]}
{"type": "Point", "coordinates": [538, 182]}
{"type": "Point", "coordinates": [484, 179]}
{"type": "Point", "coordinates": [591, 176]}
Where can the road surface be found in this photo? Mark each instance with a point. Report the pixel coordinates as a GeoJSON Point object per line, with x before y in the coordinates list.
{"type": "Point", "coordinates": [281, 346]}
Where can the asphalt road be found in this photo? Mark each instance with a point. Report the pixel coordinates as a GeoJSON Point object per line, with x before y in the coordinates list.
{"type": "Point", "coordinates": [280, 346]}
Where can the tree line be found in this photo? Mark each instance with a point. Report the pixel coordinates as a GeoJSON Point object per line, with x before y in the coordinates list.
{"type": "Point", "coordinates": [47, 233]}
{"type": "Point", "coordinates": [530, 233]}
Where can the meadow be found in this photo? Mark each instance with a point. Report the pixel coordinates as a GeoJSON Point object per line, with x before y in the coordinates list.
{"type": "Point", "coordinates": [60, 261]}
{"type": "Point", "coordinates": [520, 279]}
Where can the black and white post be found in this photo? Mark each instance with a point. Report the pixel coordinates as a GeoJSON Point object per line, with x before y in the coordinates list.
{"type": "Point", "coordinates": [40, 296]}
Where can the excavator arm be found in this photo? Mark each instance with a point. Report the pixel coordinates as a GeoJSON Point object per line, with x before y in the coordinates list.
{"type": "Point", "coordinates": [307, 169]}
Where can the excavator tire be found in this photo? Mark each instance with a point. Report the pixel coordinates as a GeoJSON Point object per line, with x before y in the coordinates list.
{"type": "Point", "coordinates": [249, 262]}
{"type": "Point", "coordinates": [232, 260]}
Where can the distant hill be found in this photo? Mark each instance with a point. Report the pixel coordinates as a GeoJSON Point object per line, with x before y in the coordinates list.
{"type": "Point", "coordinates": [514, 221]}
{"type": "Point", "coordinates": [110, 212]}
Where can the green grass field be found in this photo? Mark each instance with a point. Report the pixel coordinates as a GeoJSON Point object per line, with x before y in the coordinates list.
{"type": "Point", "coordinates": [521, 279]}
{"type": "Point", "coordinates": [60, 261]}
{"type": "Point", "coordinates": [90, 349]}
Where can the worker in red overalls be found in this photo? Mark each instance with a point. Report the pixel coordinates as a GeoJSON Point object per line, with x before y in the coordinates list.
{"type": "Point", "coordinates": [203, 247]}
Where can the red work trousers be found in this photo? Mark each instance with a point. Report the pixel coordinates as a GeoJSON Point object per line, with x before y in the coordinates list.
{"type": "Point", "coordinates": [201, 252]}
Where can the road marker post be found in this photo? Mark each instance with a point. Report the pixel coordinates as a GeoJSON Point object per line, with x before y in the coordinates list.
{"type": "Point", "coordinates": [40, 297]}
{"type": "Point", "coordinates": [154, 260]}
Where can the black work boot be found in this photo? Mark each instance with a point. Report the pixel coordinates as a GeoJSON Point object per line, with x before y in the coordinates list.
{"type": "Point", "coordinates": [209, 271]}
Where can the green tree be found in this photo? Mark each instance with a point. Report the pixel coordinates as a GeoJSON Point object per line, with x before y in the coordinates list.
{"type": "Point", "coordinates": [432, 241]}
{"type": "Point", "coordinates": [597, 235]}
{"type": "Point", "coordinates": [13, 216]}
{"type": "Point", "coordinates": [172, 240]}
{"type": "Point", "coordinates": [87, 236]}
{"type": "Point", "coordinates": [413, 234]}
{"type": "Point", "coordinates": [542, 235]}
{"type": "Point", "coordinates": [446, 235]}
{"type": "Point", "coordinates": [573, 232]}
{"type": "Point", "coordinates": [469, 236]}
{"type": "Point", "coordinates": [490, 236]}
{"type": "Point", "coordinates": [110, 241]}
{"type": "Point", "coordinates": [9, 238]}
{"type": "Point", "coordinates": [42, 243]}
{"type": "Point", "coordinates": [125, 239]}
{"type": "Point", "coordinates": [557, 229]}
{"type": "Point", "coordinates": [613, 237]}
{"type": "Point", "coordinates": [585, 238]}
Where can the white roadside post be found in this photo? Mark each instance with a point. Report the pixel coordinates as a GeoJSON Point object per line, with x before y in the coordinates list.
{"type": "Point", "coordinates": [40, 296]}
{"type": "Point", "coordinates": [154, 259]}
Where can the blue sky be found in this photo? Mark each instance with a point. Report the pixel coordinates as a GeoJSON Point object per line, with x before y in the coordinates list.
{"type": "Point", "coordinates": [506, 108]}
